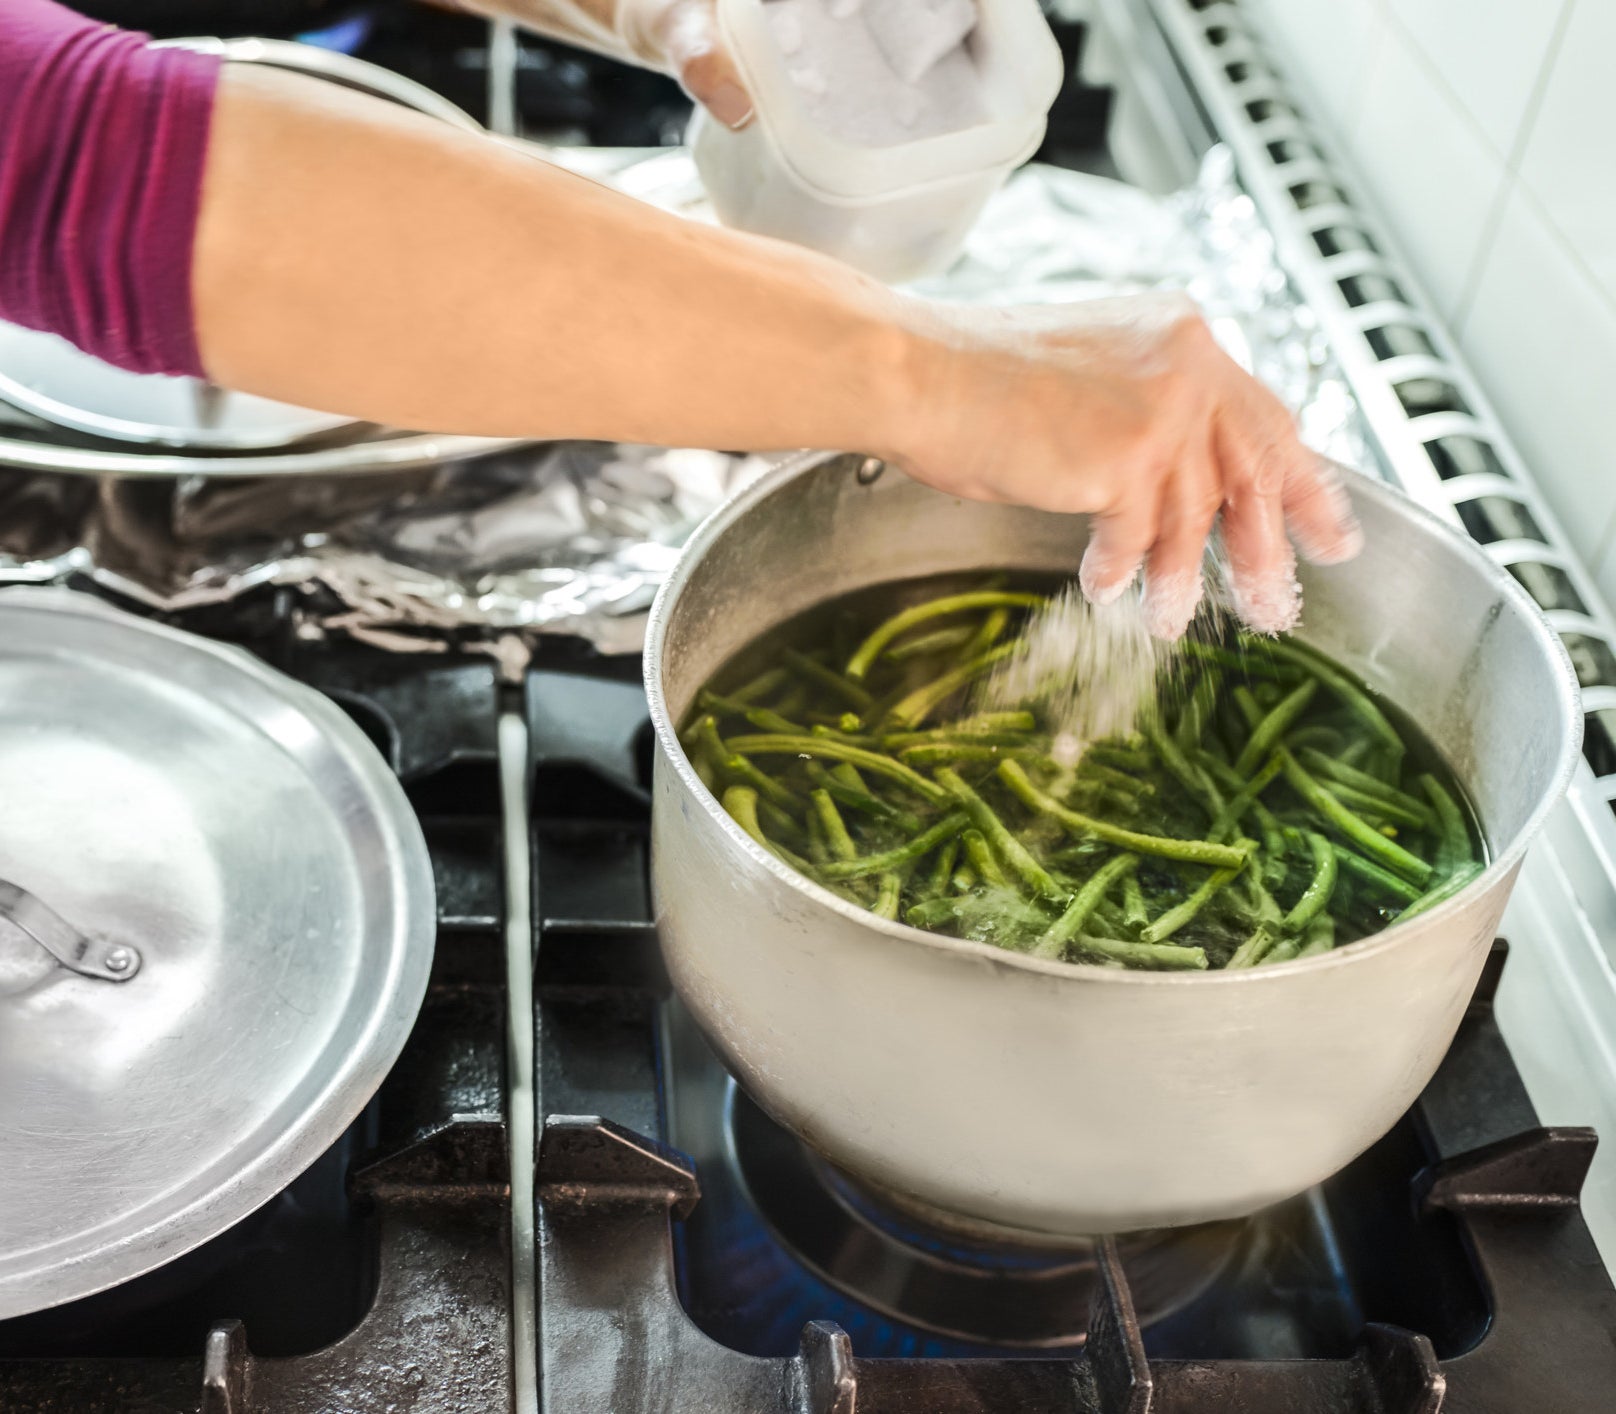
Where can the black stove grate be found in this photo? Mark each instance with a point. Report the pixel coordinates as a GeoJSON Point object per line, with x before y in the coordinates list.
{"type": "Point", "coordinates": [1447, 1269]}
{"type": "Point", "coordinates": [380, 1279]}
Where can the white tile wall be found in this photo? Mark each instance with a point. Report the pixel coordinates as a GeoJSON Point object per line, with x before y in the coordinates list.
{"type": "Point", "coordinates": [1541, 337]}
{"type": "Point", "coordinates": [1486, 56]}
{"type": "Point", "coordinates": [1569, 162]}
{"type": "Point", "coordinates": [1485, 136]}
{"type": "Point", "coordinates": [1428, 170]}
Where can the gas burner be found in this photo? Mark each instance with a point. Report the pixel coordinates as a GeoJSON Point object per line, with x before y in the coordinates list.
{"type": "Point", "coordinates": [941, 1273]}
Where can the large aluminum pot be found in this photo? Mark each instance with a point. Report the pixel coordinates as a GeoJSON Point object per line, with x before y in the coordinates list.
{"type": "Point", "coordinates": [1058, 1098]}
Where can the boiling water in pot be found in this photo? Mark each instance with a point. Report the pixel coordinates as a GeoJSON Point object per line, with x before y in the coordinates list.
{"type": "Point", "coordinates": [1235, 803]}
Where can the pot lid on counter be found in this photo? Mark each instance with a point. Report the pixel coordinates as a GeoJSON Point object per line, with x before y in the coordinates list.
{"type": "Point", "coordinates": [216, 925]}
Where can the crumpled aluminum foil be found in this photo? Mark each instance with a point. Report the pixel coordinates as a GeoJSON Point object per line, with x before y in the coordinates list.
{"type": "Point", "coordinates": [574, 538]}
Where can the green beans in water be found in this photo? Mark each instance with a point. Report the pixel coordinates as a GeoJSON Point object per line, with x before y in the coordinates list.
{"type": "Point", "coordinates": [1269, 807]}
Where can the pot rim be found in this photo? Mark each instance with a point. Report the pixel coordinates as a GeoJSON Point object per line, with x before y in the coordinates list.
{"type": "Point", "coordinates": [1498, 870]}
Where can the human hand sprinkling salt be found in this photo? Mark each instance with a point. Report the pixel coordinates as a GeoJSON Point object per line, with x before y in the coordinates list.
{"type": "Point", "coordinates": [1128, 410]}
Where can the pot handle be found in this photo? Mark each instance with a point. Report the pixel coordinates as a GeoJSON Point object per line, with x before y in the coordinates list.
{"type": "Point", "coordinates": [89, 957]}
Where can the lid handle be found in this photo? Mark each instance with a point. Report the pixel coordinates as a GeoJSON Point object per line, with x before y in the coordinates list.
{"type": "Point", "coordinates": [89, 957]}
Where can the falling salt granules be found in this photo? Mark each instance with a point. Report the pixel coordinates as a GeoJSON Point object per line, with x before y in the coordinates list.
{"type": "Point", "coordinates": [1092, 670]}
{"type": "Point", "coordinates": [1095, 670]}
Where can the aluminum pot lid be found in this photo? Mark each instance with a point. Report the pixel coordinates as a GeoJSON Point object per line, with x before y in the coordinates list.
{"type": "Point", "coordinates": [47, 376]}
{"type": "Point", "coordinates": [216, 924]}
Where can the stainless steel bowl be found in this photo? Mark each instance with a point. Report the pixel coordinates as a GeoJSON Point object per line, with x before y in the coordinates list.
{"type": "Point", "coordinates": [1062, 1098]}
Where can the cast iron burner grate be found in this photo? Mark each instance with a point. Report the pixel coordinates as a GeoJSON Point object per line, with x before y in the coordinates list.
{"type": "Point", "coordinates": [1447, 1269]}
{"type": "Point", "coordinates": [379, 1279]}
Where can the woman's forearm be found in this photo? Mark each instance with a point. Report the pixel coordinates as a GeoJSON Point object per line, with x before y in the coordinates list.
{"type": "Point", "coordinates": [484, 291]}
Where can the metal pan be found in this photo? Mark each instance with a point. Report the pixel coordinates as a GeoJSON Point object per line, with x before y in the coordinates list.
{"type": "Point", "coordinates": [216, 924]}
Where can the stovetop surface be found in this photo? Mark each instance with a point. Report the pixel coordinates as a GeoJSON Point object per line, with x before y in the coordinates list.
{"type": "Point", "coordinates": [694, 1256]}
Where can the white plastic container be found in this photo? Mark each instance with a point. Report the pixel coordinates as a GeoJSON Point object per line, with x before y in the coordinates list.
{"type": "Point", "coordinates": [897, 212]}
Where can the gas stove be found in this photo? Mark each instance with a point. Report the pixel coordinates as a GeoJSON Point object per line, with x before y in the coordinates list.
{"type": "Point", "coordinates": [691, 1254]}
{"type": "Point", "coordinates": [558, 1200]}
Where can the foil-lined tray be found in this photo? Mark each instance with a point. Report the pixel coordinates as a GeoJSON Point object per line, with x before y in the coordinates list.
{"type": "Point", "coordinates": [574, 538]}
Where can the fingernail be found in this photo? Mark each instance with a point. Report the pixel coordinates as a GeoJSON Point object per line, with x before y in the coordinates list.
{"type": "Point", "coordinates": [1170, 604]}
{"type": "Point", "coordinates": [1091, 575]}
{"type": "Point", "coordinates": [730, 105]}
{"type": "Point", "coordinates": [1270, 602]}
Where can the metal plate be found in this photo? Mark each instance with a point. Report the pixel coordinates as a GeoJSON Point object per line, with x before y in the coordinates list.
{"type": "Point", "coordinates": [47, 376]}
{"type": "Point", "coordinates": [240, 832]}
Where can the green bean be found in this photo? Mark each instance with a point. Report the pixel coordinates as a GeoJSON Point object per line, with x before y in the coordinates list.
{"type": "Point", "coordinates": [1118, 781]}
{"type": "Point", "coordinates": [1386, 811]}
{"type": "Point", "coordinates": [1383, 879]}
{"type": "Point", "coordinates": [760, 717]}
{"type": "Point", "coordinates": [1317, 739]}
{"type": "Point", "coordinates": [912, 710]}
{"type": "Point", "coordinates": [1253, 950]}
{"type": "Point", "coordinates": [1164, 925]}
{"type": "Point", "coordinates": [794, 701]}
{"type": "Point", "coordinates": [1157, 957]}
{"type": "Point", "coordinates": [1203, 700]}
{"type": "Point", "coordinates": [1454, 846]}
{"type": "Point", "coordinates": [1316, 897]}
{"type": "Point", "coordinates": [811, 746]}
{"type": "Point", "coordinates": [943, 870]}
{"type": "Point", "coordinates": [781, 822]}
{"type": "Point", "coordinates": [1071, 922]}
{"type": "Point", "coordinates": [829, 733]}
{"type": "Point", "coordinates": [992, 629]}
{"type": "Point", "coordinates": [839, 842]}
{"type": "Point", "coordinates": [1248, 663]}
{"type": "Point", "coordinates": [1229, 817]}
{"type": "Point", "coordinates": [861, 799]}
{"type": "Point", "coordinates": [1193, 779]}
{"type": "Point", "coordinates": [818, 847]}
{"type": "Point", "coordinates": [763, 685]}
{"type": "Point", "coordinates": [854, 694]}
{"type": "Point", "coordinates": [1163, 846]}
{"type": "Point", "coordinates": [933, 913]}
{"type": "Point", "coordinates": [858, 666]}
{"type": "Point", "coordinates": [964, 879]}
{"type": "Point", "coordinates": [1443, 891]}
{"type": "Point", "coordinates": [1122, 757]}
{"type": "Point", "coordinates": [950, 736]}
{"type": "Point", "coordinates": [915, 849]}
{"type": "Point", "coordinates": [1250, 709]}
{"type": "Point", "coordinates": [1274, 725]}
{"type": "Point", "coordinates": [1221, 772]}
{"type": "Point", "coordinates": [943, 754]}
{"type": "Point", "coordinates": [1015, 855]}
{"type": "Point", "coordinates": [1356, 751]}
{"type": "Point", "coordinates": [1348, 775]}
{"type": "Point", "coordinates": [1107, 916]}
{"type": "Point", "coordinates": [980, 860]}
{"type": "Point", "coordinates": [743, 772]}
{"type": "Point", "coordinates": [1392, 855]}
{"type": "Point", "coordinates": [741, 802]}
{"type": "Point", "coordinates": [847, 774]}
{"type": "Point", "coordinates": [704, 737]}
{"type": "Point", "coordinates": [1319, 938]}
{"type": "Point", "coordinates": [938, 640]}
{"type": "Point", "coordinates": [886, 900]}
{"type": "Point", "coordinates": [1348, 692]}
{"type": "Point", "coordinates": [1134, 914]}
{"type": "Point", "coordinates": [1282, 951]}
